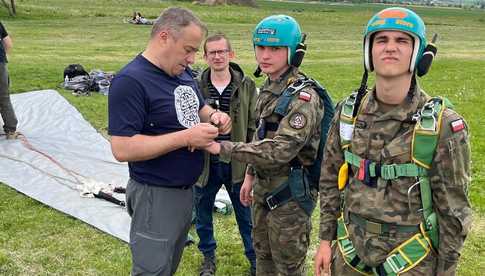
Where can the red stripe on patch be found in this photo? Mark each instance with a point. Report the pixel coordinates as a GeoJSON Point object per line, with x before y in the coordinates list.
{"type": "Point", "coordinates": [457, 125]}
{"type": "Point", "coordinates": [305, 96]}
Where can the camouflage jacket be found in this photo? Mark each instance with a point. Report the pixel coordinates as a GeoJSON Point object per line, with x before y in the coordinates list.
{"type": "Point", "coordinates": [385, 138]}
{"type": "Point", "coordinates": [298, 133]}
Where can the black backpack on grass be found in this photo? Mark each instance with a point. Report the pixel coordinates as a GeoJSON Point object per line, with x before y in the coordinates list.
{"type": "Point", "coordinates": [74, 70]}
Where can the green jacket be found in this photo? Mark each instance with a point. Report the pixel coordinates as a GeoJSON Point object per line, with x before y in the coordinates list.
{"type": "Point", "coordinates": [242, 112]}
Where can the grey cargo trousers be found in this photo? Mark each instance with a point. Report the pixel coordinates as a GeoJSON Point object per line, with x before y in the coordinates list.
{"type": "Point", "coordinates": [160, 221]}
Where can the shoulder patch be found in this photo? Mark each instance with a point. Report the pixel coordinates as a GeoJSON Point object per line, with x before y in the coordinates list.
{"type": "Point", "coordinates": [297, 120]}
{"type": "Point", "coordinates": [305, 96]}
{"type": "Point", "coordinates": [457, 125]}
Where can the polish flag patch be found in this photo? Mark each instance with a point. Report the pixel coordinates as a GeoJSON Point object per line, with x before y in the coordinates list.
{"type": "Point", "coordinates": [305, 96]}
{"type": "Point", "coordinates": [457, 125]}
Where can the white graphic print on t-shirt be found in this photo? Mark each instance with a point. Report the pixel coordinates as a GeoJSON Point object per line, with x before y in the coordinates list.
{"type": "Point", "coordinates": [187, 106]}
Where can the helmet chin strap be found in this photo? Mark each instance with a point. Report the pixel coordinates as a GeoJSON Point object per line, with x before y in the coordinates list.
{"type": "Point", "coordinates": [257, 72]}
{"type": "Point", "coordinates": [412, 87]}
{"type": "Point", "coordinates": [361, 91]}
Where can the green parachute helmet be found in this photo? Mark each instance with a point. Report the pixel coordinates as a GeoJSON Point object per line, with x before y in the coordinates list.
{"type": "Point", "coordinates": [278, 31]}
{"type": "Point", "coordinates": [396, 19]}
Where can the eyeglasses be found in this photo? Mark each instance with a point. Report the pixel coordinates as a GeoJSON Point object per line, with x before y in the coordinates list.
{"type": "Point", "coordinates": [218, 52]}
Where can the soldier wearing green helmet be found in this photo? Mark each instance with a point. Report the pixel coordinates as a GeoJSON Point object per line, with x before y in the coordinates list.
{"type": "Point", "coordinates": [289, 109]}
{"type": "Point", "coordinates": [394, 185]}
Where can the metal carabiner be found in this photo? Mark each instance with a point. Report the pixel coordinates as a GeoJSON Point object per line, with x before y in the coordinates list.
{"type": "Point", "coordinates": [410, 189]}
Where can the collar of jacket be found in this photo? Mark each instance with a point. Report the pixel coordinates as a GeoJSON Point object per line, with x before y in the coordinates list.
{"type": "Point", "coordinates": [278, 86]}
{"type": "Point", "coordinates": [403, 112]}
{"type": "Point", "coordinates": [237, 76]}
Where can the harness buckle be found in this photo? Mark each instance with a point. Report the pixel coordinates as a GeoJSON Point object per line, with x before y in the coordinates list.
{"type": "Point", "coordinates": [394, 264]}
{"type": "Point", "coordinates": [271, 202]}
{"type": "Point", "coordinates": [351, 99]}
{"type": "Point", "coordinates": [416, 116]}
{"type": "Point", "coordinates": [388, 171]}
{"type": "Point", "coordinates": [426, 113]}
{"type": "Point", "coordinates": [298, 84]}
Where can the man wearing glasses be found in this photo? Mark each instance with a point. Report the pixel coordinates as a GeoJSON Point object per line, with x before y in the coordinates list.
{"type": "Point", "coordinates": [158, 123]}
{"type": "Point", "coordinates": [225, 88]}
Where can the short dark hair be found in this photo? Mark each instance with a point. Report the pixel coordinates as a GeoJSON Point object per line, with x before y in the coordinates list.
{"type": "Point", "coordinates": [217, 37]}
{"type": "Point", "coordinates": [175, 19]}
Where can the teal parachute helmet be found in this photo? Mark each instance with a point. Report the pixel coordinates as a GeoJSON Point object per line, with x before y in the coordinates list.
{"type": "Point", "coordinates": [278, 31]}
{"type": "Point", "coordinates": [396, 19]}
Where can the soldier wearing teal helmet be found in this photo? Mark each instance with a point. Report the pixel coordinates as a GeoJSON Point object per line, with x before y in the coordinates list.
{"type": "Point", "coordinates": [395, 165]}
{"type": "Point", "coordinates": [293, 112]}
{"type": "Point", "coordinates": [396, 19]}
{"type": "Point", "coordinates": [278, 31]}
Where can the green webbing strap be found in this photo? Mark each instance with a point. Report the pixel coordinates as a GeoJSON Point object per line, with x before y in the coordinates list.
{"type": "Point", "coordinates": [387, 172]}
{"type": "Point", "coordinates": [425, 141]}
{"type": "Point", "coordinates": [426, 131]}
{"type": "Point", "coordinates": [381, 228]}
{"type": "Point", "coordinates": [426, 196]}
{"type": "Point", "coordinates": [430, 219]}
{"type": "Point", "coordinates": [352, 158]}
{"type": "Point", "coordinates": [401, 259]}
{"type": "Point", "coordinates": [346, 124]}
{"type": "Point", "coordinates": [394, 171]}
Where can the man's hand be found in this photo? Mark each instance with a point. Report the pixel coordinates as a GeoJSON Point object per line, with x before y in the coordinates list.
{"type": "Point", "coordinates": [201, 136]}
{"type": "Point", "coordinates": [214, 148]}
{"type": "Point", "coordinates": [245, 194]}
{"type": "Point", "coordinates": [222, 121]}
{"type": "Point", "coordinates": [322, 259]}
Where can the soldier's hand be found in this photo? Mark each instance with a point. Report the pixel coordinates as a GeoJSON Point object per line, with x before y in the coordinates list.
{"type": "Point", "coordinates": [213, 148]}
{"type": "Point", "coordinates": [246, 195]}
{"type": "Point", "coordinates": [322, 259]}
{"type": "Point", "coordinates": [222, 121]}
{"type": "Point", "coordinates": [201, 136]}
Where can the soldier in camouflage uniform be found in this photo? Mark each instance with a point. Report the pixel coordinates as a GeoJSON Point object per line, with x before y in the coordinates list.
{"type": "Point", "coordinates": [281, 234]}
{"type": "Point", "coordinates": [381, 214]}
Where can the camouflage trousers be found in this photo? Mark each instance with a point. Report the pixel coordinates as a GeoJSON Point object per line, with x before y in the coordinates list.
{"type": "Point", "coordinates": [426, 267]}
{"type": "Point", "coordinates": [281, 238]}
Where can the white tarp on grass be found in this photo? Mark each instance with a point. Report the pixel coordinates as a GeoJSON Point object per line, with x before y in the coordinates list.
{"type": "Point", "coordinates": [65, 148]}
{"type": "Point", "coordinates": [55, 128]}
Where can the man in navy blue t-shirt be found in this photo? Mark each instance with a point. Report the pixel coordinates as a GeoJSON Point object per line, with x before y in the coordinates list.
{"type": "Point", "coordinates": [158, 122]}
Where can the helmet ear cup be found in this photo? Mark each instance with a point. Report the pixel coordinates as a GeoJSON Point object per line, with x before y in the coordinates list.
{"type": "Point", "coordinates": [427, 58]}
{"type": "Point", "coordinates": [369, 66]}
{"type": "Point", "coordinates": [299, 52]}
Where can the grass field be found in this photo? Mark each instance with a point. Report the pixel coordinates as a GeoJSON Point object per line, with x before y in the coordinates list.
{"type": "Point", "coordinates": [50, 34]}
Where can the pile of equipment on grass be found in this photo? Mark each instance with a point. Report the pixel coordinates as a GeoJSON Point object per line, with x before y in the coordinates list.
{"type": "Point", "coordinates": [82, 83]}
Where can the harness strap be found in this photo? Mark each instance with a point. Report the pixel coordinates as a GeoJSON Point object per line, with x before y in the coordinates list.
{"type": "Point", "coordinates": [401, 259]}
{"type": "Point", "coordinates": [381, 228]}
{"type": "Point", "coordinates": [387, 172]}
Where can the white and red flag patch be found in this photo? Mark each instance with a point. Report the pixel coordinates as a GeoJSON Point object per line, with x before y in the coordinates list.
{"type": "Point", "coordinates": [457, 125]}
{"type": "Point", "coordinates": [305, 96]}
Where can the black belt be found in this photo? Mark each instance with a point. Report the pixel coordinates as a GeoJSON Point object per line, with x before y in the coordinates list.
{"type": "Point", "coordinates": [277, 199]}
{"type": "Point", "coordinates": [186, 187]}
